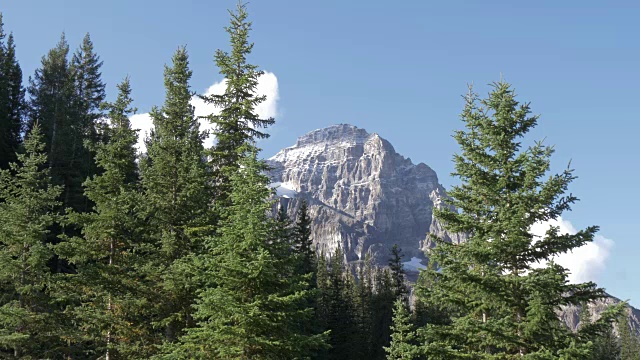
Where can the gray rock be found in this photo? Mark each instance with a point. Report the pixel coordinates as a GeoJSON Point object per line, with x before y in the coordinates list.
{"type": "Point", "coordinates": [363, 196]}
{"type": "Point", "coordinates": [571, 314]}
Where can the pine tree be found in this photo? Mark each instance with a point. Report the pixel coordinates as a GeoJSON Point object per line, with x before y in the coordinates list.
{"type": "Point", "coordinates": [404, 342]}
{"type": "Point", "coordinates": [382, 313]}
{"type": "Point", "coordinates": [605, 344]}
{"type": "Point", "coordinates": [400, 290]}
{"type": "Point", "coordinates": [364, 304]}
{"type": "Point", "coordinates": [339, 312]}
{"type": "Point", "coordinates": [250, 305]}
{"type": "Point", "coordinates": [27, 328]}
{"type": "Point", "coordinates": [629, 339]}
{"type": "Point", "coordinates": [11, 100]}
{"type": "Point", "coordinates": [303, 244]}
{"type": "Point", "coordinates": [505, 306]}
{"type": "Point", "coordinates": [237, 121]}
{"type": "Point", "coordinates": [174, 179]}
{"type": "Point", "coordinates": [54, 104]}
{"type": "Point", "coordinates": [89, 93]}
{"type": "Point", "coordinates": [109, 257]}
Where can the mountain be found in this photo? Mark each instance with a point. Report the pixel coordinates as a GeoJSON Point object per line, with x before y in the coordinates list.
{"type": "Point", "coordinates": [363, 196]}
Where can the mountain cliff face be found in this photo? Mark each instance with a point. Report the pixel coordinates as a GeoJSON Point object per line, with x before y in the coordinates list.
{"type": "Point", "coordinates": [363, 196]}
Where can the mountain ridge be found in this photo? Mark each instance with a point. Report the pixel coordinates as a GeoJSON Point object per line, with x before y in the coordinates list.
{"type": "Point", "coordinates": [364, 197]}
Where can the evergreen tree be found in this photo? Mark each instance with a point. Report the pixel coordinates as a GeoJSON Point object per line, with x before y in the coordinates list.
{"type": "Point", "coordinates": [339, 312]}
{"type": "Point", "coordinates": [89, 93]}
{"type": "Point", "coordinates": [505, 306]}
{"type": "Point", "coordinates": [364, 304]}
{"type": "Point", "coordinates": [400, 290]}
{"type": "Point", "coordinates": [252, 301]}
{"type": "Point", "coordinates": [382, 313]}
{"type": "Point", "coordinates": [174, 179]}
{"type": "Point", "coordinates": [605, 344]}
{"type": "Point", "coordinates": [27, 328]}
{"type": "Point", "coordinates": [303, 244]}
{"type": "Point", "coordinates": [629, 339]}
{"type": "Point", "coordinates": [404, 342]}
{"type": "Point", "coordinates": [55, 103]}
{"type": "Point", "coordinates": [11, 100]}
{"type": "Point", "coordinates": [237, 121]}
{"type": "Point", "coordinates": [109, 256]}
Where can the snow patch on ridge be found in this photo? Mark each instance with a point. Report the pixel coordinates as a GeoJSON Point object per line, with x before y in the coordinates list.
{"type": "Point", "coordinates": [415, 264]}
{"type": "Point", "coordinates": [284, 189]}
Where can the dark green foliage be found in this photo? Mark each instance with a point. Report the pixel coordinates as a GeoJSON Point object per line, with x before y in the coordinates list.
{"type": "Point", "coordinates": [174, 179]}
{"type": "Point", "coordinates": [237, 121]}
{"type": "Point", "coordinates": [252, 300]}
{"type": "Point", "coordinates": [404, 341]}
{"type": "Point", "coordinates": [64, 98]}
{"type": "Point", "coordinates": [12, 103]}
{"type": "Point", "coordinates": [505, 307]}
{"type": "Point", "coordinates": [27, 326]}
{"type": "Point", "coordinates": [338, 309]}
{"type": "Point", "coordinates": [108, 287]}
{"type": "Point", "coordinates": [605, 344]}
{"type": "Point", "coordinates": [303, 244]}
{"type": "Point", "coordinates": [357, 310]}
{"type": "Point", "coordinates": [398, 281]}
{"type": "Point", "coordinates": [629, 339]}
{"type": "Point", "coordinates": [89, 95]}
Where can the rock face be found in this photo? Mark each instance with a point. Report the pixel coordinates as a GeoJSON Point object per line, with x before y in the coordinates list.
{"type": "Point", "coordinates": [363, 196]}
{"type": "Point", "coordinates": [571, 314]}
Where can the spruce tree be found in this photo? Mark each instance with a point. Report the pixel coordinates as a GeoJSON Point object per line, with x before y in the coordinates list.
{"type": "Point", "coordinates": [629, 339]}
{"type": "Point", "coordinates": [27, 326]}
{"type": "Point", "coordinates": [364, 303]}
{"type": "Point", "coordinates": [605, 344]}
{"type": "Point", "coordinates": [252, 301]}
{"type": "Point", "coordinates": [55, 104]}
{"type": "Point", "coordinates": [339, 311]}
{"type": "Point", "coordinates": [109, 256]}
{"type": "Point", "coordinates": [11, 100]}
{"type": "Point", "coordinates": [237, 121]}
{"type": "Point", "coordinates": [303, 244]}
{"type": "Point", "coordinates": [505, 304]}
{"type": "Point", "coordinates": [89, 93]}
{"type": "Point", "coordinates": [174, 180]}
{"type": "Point", "coordinates": [400, 290]}
{"type": "Point", "coordinates": [384, 299]}
{"type": "Point", "coordinates": [404, 341]}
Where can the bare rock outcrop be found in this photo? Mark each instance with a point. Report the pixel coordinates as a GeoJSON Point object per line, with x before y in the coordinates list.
{"type": "Point", "coordinates": [363, 196]}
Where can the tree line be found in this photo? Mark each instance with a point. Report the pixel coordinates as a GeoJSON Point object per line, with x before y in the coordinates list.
{"type": "Point", "coordinates": [176, 253]}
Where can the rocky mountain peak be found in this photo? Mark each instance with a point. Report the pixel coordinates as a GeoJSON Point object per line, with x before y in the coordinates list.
{"type": "Point", "coordinates": [340, 133]}
{"type": "Point", "coordinates": [363, 195]}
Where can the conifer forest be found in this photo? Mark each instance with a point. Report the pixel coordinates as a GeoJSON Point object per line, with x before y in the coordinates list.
{"type": "Point", "coordinates": [181, 251]}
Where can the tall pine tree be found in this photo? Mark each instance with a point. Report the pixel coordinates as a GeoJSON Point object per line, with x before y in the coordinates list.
{"type": "Point", "coordinates": [404, 340]}
{"type": "Point", "coordinates": [63, 97]}
{"type": "Point", "coordinates": [629, 339]}
{"type": "Point", "coordinates": [252, 301]}
{"type": "Point", "coordinates": [175, 180]}
{"type": "Point", "coordinates": [505, 305]}
{"type": "Point", "coordinates": [12, 103]}
{"type": "Point", "coordinates": [109, 256]}
{"type": "Point", "coordinates": [237, 121]}
{"type": "Point", "coordinates": [27, 324]}
{"type": "Point", "coordinates": [89, 93]}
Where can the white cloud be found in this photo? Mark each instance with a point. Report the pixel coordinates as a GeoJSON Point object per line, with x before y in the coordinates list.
{"type": "Point", "coordinates": [267, 85]}
{"type": "Point", "coordinates": [584, 263]}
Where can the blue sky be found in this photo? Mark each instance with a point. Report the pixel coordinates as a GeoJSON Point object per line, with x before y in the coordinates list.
{"type": "Point", "coordinates": [399, 69]}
